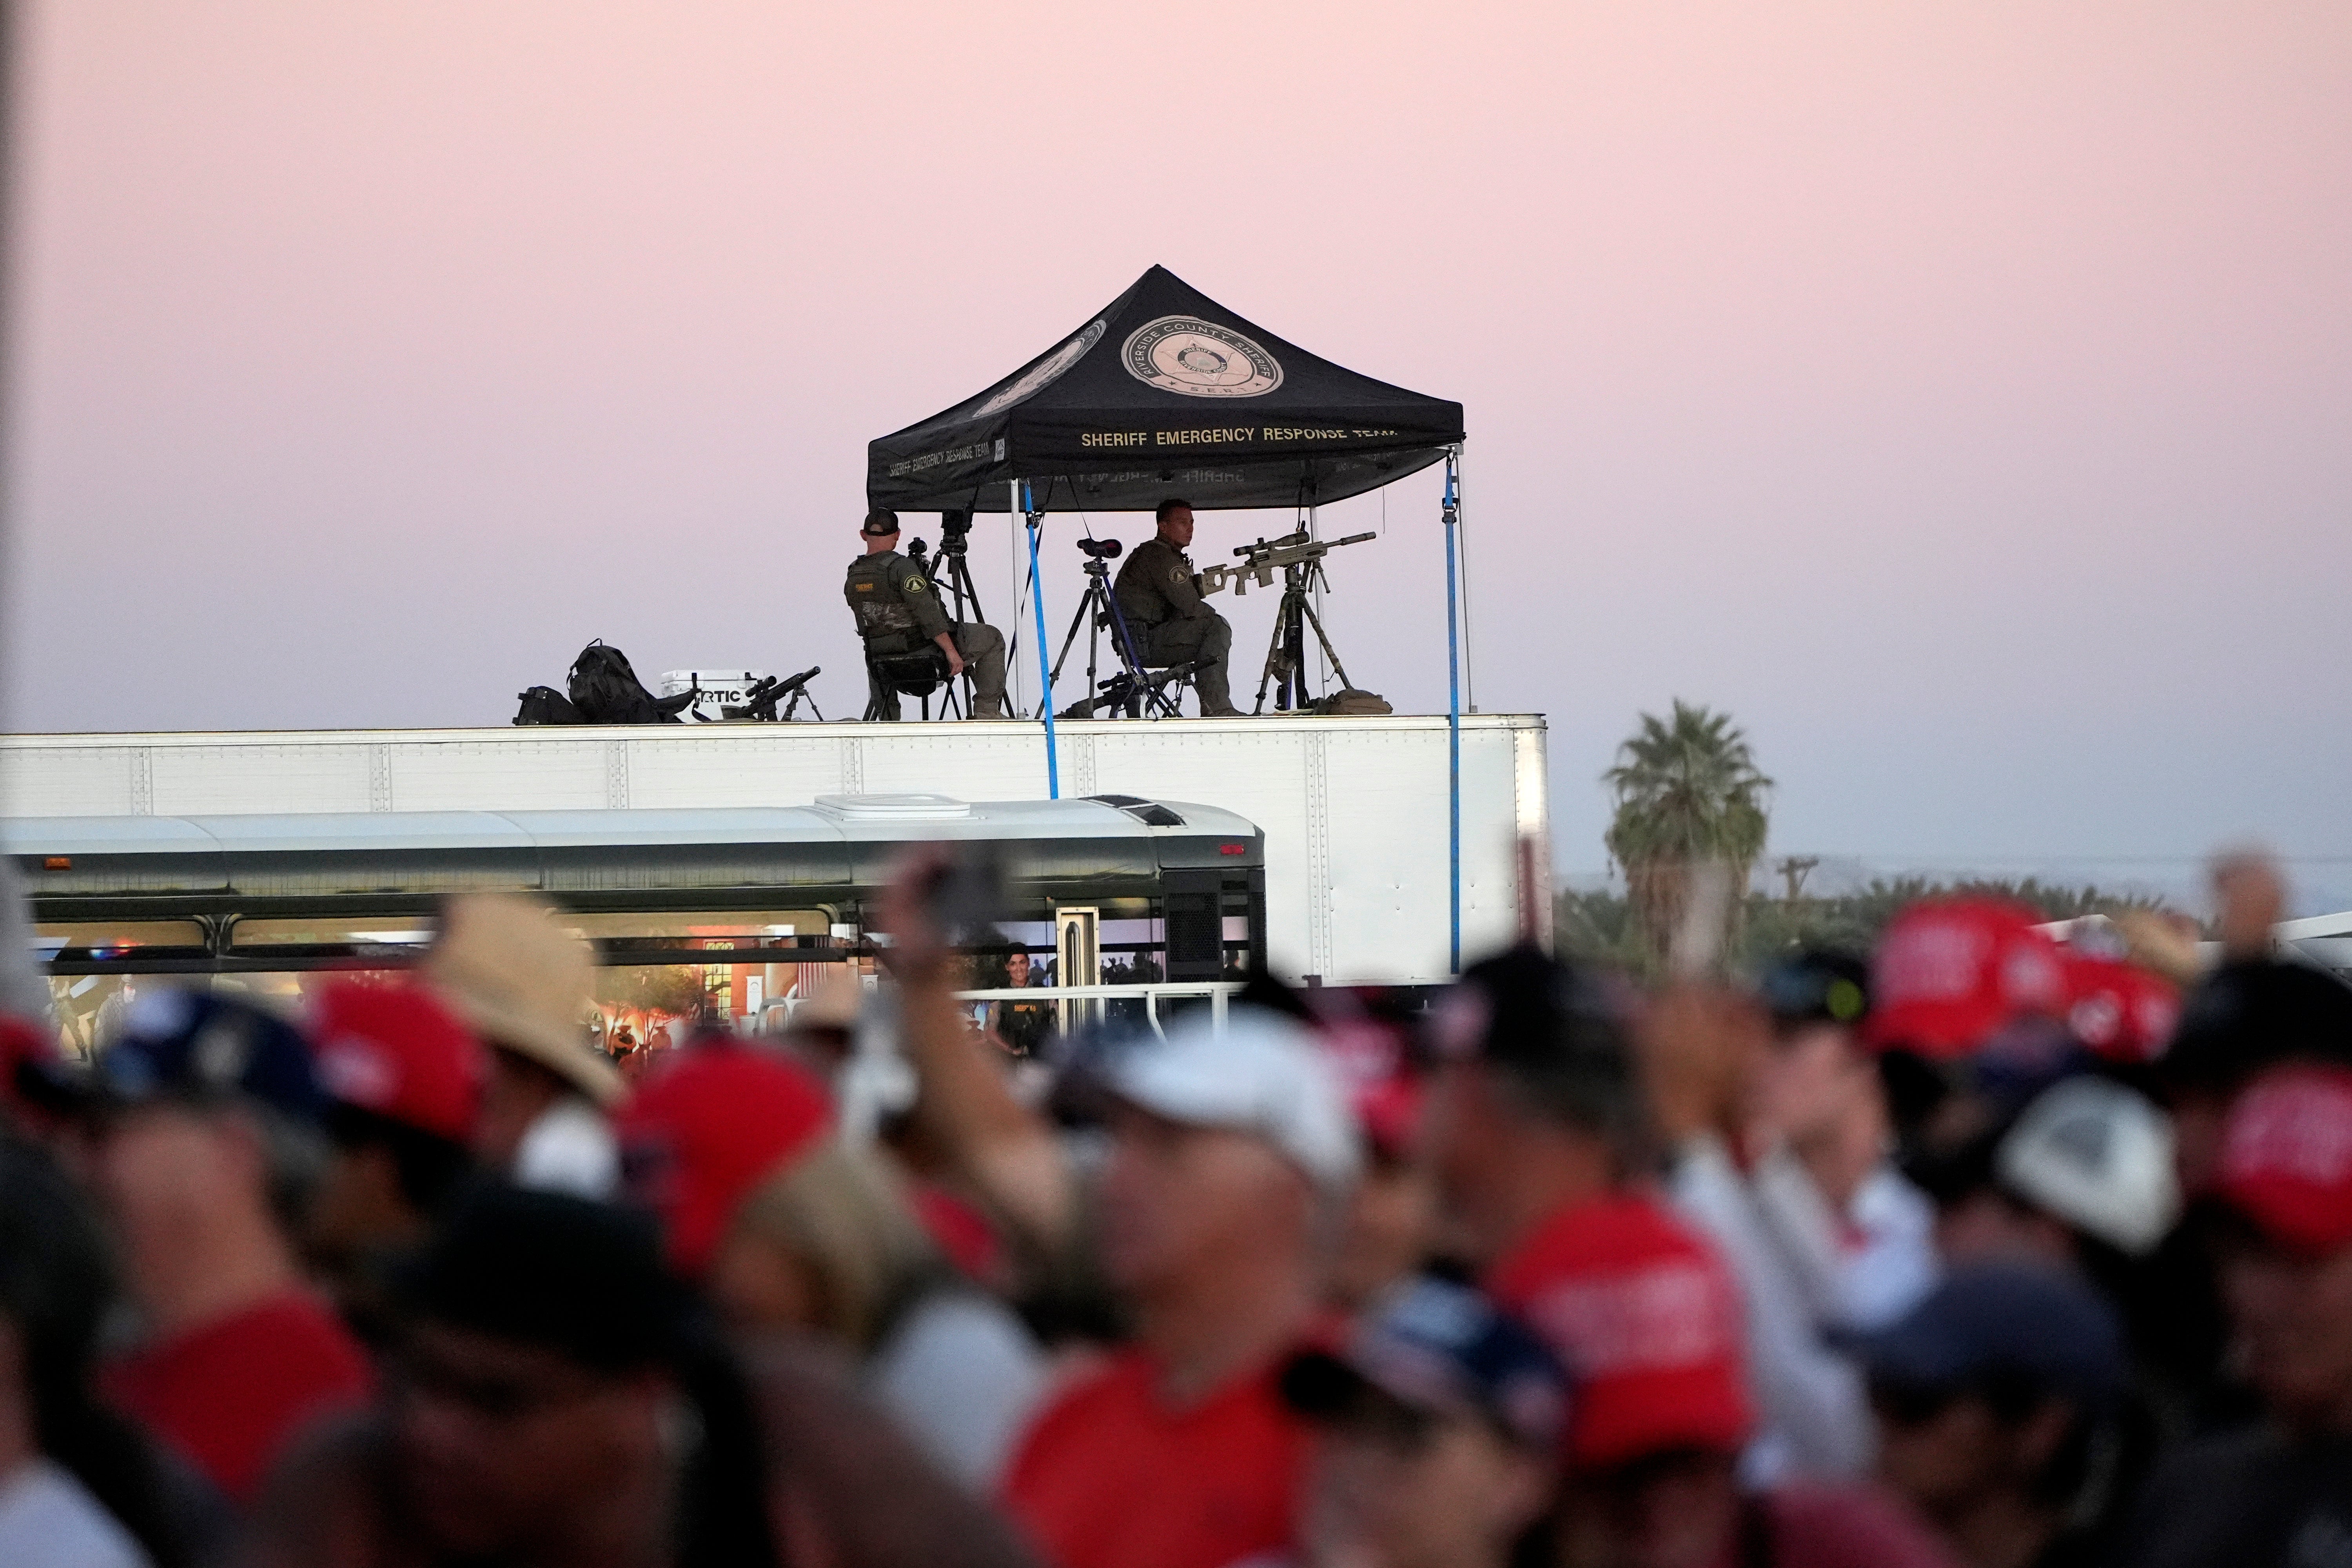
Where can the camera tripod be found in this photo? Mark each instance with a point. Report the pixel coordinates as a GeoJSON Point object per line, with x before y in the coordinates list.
{"type": "Point", "coordinates": [951, 576]}
{"type": "Point", "coordinates": [1131, 690]}
{"type": "Point", "coordinates": [1285, 656]}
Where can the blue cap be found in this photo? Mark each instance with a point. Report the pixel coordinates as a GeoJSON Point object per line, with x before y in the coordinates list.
{"type": "Point", "coordinates": [2015, 1322]}
{"type": "Point", "coordinates": [184, 1044]}
{"type": "Point", "coordinates": [1445, 1349]}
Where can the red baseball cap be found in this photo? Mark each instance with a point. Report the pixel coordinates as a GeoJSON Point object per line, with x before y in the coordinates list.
{"type": "Point", "coordinates": [1950, 973]}
{"type": "Point", "coordinates": [2121, 1012]}
{"type": "Point", "coordinates": [705, 1127]}
{"type": "Point", "coordinates": [1648, 1324]}
{"type": "Point", "coordinates": [1373, 1060]}
{"type": "Point", "coordinates": [2287, 1157]}
{"type": "Point", "coordinates": [23, 1043]}
{"type": "Point", "coordinates": [397, 1051]}
{"type": "Point", "coordinates": [961, 1231]}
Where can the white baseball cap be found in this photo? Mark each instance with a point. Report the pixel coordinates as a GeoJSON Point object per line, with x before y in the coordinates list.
{"type": "Point", "coordinates": [2097, 1156]}
{"type": "Point", "coordinates": [1261, 1073]}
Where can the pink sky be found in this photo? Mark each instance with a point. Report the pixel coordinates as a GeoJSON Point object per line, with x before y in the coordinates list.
{"type": "Point", "coordinates": [1962, 395]}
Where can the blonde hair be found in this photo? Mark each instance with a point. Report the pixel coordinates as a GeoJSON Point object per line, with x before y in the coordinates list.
{"type": "Point", "coordinates": [843, 1214]}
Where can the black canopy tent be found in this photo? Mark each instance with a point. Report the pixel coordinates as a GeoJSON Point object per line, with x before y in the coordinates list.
{"type": "Point", "coordinates": [1164, 392]}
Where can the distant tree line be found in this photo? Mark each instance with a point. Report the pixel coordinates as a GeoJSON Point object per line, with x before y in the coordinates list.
{"type": "Point", "coordinates": [1690, 804]}
{"type": "Point", "coordinates": [1599, 927]}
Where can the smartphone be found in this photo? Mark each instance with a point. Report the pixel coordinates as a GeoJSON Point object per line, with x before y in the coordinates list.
{"type": "Point", "coordinates": [965, 897]}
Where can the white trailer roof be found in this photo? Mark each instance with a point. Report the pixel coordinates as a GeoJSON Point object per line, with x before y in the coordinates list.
{"type": "Point", "coordinates": [839, 819]}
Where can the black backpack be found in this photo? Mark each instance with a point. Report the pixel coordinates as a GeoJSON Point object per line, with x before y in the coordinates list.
{"type": "Point", "coordinates": [606, 691]}
{"type": "Point", "coordinates": [546, 705]}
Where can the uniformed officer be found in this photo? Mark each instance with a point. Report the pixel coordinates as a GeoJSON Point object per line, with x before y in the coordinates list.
{"type": "Point", "coordinates": [898, 610]}
{"type": "Point", "coordinates": [1160, 596]}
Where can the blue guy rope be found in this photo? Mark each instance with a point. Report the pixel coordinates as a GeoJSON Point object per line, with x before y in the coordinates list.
{"type": "Point", "coordinates": [1045, 669]}
{"type": "Point", "coordinates": [1453, 732]}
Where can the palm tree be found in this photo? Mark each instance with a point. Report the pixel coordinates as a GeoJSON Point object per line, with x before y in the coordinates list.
{"type": "Point", "coordinates": [1687, 793]}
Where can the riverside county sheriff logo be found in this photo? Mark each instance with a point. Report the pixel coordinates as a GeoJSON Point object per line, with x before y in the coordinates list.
{"type": "Point", "coordinates": [1044, 373]}
{"type": "Point", "coordinates": [1198, 359]}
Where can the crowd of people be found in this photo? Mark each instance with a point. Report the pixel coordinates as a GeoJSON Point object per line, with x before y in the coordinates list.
{"type": "Point", "coordinates": [1991, 1248]}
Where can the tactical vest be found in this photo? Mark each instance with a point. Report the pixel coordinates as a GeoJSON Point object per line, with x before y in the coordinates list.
{"type": "Point", "coordinates": [1141, 599]}
{"type": "Point", "coordinates": [873, 598]}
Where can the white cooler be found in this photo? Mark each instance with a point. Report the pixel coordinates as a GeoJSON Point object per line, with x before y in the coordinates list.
{"type": "Point", "coordinates": [721, 689]}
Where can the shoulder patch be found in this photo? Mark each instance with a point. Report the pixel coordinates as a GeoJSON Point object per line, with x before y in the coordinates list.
{"type": "Point", "coordinates": [1178, 574]}
{"type": "Point", "coordinates": [912, 585]}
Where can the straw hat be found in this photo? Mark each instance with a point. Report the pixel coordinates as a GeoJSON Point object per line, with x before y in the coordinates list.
{"type": "Point", "coordinates": [523, 983]}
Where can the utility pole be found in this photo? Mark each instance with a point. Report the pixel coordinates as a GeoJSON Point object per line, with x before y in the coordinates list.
{"type": "Point", "coordinates": [1793, 868]}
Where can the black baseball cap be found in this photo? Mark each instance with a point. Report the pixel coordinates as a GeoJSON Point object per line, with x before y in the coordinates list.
{"type": "Point", "coordinates": [1528, 1011]}
{"type": "Point", "coordinates": [2247, 1016]}
{"type": "Point", "coordinates": [2028, 1326]}
{"type": "Point", "coordinates": [880, 523]}
{"type": "Point", "coordinates": [1817, 985]}
{"type": "Point", "coordinates": [1437, 1348]}
{"type": "Point", "coordinates": [581, 1278]}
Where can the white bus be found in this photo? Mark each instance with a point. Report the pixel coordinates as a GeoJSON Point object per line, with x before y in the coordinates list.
{"type": "Point", "coordinates": [717, 912]}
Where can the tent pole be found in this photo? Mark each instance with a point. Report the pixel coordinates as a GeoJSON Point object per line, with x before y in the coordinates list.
{"type": "Point", "coordinates": [1020, 588]}
{"type": "Point", "coordinates": [1469, 665]}
{"type": "Point", "coordinates": [1045, 669]}
{"type": "Point", "coordinates": [1453, 733]}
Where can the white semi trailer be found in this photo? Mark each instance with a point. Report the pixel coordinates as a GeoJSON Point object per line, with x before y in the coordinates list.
{"type": "Point", "coordinates": [1353, 809]}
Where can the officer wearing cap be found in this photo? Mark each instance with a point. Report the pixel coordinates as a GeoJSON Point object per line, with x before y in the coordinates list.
{"type": "Point", "coordinates": [1160, 595]}
{"type": "Point", "coordinates": [898, 611]}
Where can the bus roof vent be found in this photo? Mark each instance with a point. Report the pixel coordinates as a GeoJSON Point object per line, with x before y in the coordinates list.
{"type": "Point", "coordinates": [1150, 813]}
{"type": "Point", "coordinates": [894, 807]}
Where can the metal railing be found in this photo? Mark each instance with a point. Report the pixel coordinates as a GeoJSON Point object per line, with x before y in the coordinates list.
{"type": "Point", "coordinates": [1218, 992]}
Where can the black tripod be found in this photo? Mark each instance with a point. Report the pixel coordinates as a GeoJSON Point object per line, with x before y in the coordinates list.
{"type": "Point", "coordinates": [951, 576]}
{"type": "Point", "coordinates": [962, 600]}
{"type": "Point", "coordinates": [1285, 656]}
{"type": "Point", "coordinates": [1131, 690]}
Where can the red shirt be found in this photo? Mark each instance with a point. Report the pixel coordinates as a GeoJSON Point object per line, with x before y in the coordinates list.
{"type": "Point", "coordinates": [1111, 1477]}
{"type": "Point", "coordinates": [229, 1393]}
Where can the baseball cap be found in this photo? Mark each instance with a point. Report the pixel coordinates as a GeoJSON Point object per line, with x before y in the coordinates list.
{"type": "Point", "coordinates": [1647, 1323]}
{"type": "Point", "coordinates": [1950, 973]}
{"type": "Point", "coordinates": [522, 984]}
{"type": "Point", "coordinates": [28, 1060]}
{"type": "Point", "coordinates": [2122, 1012]}
{"type": "Point", "coordinates": [1373, 1057]}
{"type": "Point", "coordinates": [396, 1051]}
{"type": "Point", "coordinates": [1442, 1348]}
{"type": "Point", "coordinates": [1527, 1010]}
{"type": "Point", "coordinates": [2248, 1015]}
{"type": "Point", "coordinates": [1559, 1029]}
{"type": "Point", "coordinates": [185, 1044]}
{"type": "Point", "coordinates": [2286, 1156]}
{"type": "Point", "coordinates": [2097, 1156]}
{"type": "Point", "coordinates": [1262, 1073]}
{"type": "Point", "coordinates": [1817, 987]}
{"type": "Point", "coordinates": [2006, 1321]}
{"type": "Point", "coordinates": [706, 1128]}
{"type": "Point", "coordinates": [880, 523]}
{"type": "Point", "coordinates": [580, 1277]}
